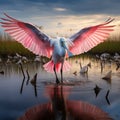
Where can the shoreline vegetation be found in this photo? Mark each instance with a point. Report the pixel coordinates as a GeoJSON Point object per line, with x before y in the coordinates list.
{"type": "Point", "coordinates": [8, 46]}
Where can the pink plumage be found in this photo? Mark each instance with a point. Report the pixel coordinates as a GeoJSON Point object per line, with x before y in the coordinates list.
{"type": "Point", "coordinates": [28, 35]}
{"type": "Point", "coordinates": [61, 107]}
{"type": "Point", "coordinates": [50, 66]}
{"type": "Point", "coordinates": [89, 37]}
{"type": "Point", "coordinates": [41, 44]}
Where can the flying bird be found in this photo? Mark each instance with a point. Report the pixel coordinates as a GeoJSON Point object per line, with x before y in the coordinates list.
{"type": "Point", "coordinates": [32, 38]}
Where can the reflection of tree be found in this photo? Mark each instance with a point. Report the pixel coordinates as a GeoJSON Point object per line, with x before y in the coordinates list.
{"type": "Point", "coordinates": [60, 108]}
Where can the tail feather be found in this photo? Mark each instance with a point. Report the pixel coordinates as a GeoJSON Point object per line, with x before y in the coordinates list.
{"type": "Point", "coordinates": [49, 67]}
{"type": "Point", "coordinates": [66, 66]}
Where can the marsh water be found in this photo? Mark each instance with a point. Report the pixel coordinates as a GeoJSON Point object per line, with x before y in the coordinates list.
{"type": "Point", "coordinates": [77, 98]}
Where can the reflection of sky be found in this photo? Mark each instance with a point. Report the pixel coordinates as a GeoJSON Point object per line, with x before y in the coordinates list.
{"type": "Point", "coordinates": [62, 15]}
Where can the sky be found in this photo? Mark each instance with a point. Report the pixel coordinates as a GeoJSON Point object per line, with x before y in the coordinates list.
{"type": "Point", "coordinates": [62, 17]}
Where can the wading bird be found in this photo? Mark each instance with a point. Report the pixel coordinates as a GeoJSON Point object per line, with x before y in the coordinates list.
{"type": "Point", "coordinates": [84, 69]}
{"type": "Point", "coordinates": [39, 43]}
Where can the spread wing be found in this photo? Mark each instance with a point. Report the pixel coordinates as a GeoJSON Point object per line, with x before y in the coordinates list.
{"type": "Point", "coordinates": [89, 37]}
{"type": "Point", "coordinates": [28, 35]}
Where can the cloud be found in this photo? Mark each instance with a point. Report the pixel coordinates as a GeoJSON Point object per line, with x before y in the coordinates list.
{"type": "Point", "coordinates": [64, 7]}
{"type": "Point", "coordinates": [61, 15]}
{"type": "Point", "coordinates": [60, 9]}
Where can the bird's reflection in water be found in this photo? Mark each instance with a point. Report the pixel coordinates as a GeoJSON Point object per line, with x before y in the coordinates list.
{"type": "Point", "coordinates": [61, 108]}
{"type": "Point", "coordinates": [33, 83]}
{"type": "Point", "coordinates": [21, 89]}
{"type": "Point", "coordinates": [58, 102]}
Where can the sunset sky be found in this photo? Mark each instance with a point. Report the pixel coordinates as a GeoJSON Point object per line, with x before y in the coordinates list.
{"type": "Point", "coordinates": [64, 17]}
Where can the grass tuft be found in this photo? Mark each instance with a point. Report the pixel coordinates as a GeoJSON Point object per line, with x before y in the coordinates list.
{"type": "Point", "coordinates": [8, 46]}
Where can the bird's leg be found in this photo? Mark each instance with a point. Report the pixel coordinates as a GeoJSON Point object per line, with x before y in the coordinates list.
{"type": "Point", "coordinates": [61, 72]}
{"type": "Point", "coordinates": [57, 81]}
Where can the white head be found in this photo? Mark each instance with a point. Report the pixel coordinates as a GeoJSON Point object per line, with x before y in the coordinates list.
{"type": "Point", "coordinates": [64, 44]}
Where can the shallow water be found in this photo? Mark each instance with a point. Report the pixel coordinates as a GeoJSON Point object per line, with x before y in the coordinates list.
{"type": "Point", "coordinates": [75, 99]}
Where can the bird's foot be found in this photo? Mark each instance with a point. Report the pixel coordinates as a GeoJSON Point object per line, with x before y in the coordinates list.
{"type": "Point", "coordinates": [57, 81]}
{"type": "Point", "coordinates": [61, 80]}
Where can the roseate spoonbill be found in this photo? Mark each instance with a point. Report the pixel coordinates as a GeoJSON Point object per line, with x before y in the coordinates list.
{"type": "Point", "coordinates": [39, 43]}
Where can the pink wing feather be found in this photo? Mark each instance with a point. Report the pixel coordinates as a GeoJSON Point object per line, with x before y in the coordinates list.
{"type": "Point", "coordinates": [89, 37]}
{"type": "Point", "coordinates": [28, 35]}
